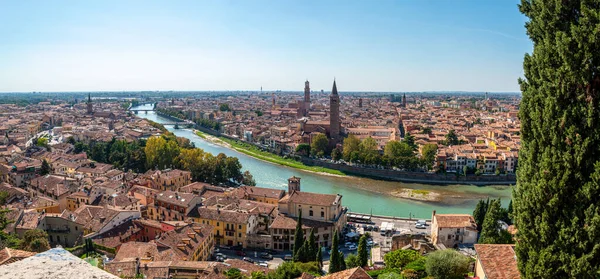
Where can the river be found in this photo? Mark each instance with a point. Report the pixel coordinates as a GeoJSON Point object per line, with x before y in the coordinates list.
{"type": "Point", "coordinates": [359, 194]}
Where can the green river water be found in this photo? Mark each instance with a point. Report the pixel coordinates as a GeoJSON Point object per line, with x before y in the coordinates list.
{"type": "Point", "coordinates": [360, 194]}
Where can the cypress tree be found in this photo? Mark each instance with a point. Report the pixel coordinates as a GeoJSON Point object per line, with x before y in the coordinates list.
{"type": "Point", "coordinates": [363, 253]}
{"type": "Point", "coordinates": [334, 255]}
{"type": "Point", "coordinates": [490, 231]}
{"type": "Point", "coordinates": [479, 213]}
{"type": "Point", "coordinates": [311, 245]}
{"type": "Point", "coordinates": [320, 256]}
{"type": "Point", "coordinates": [341, 261]}
{"type": "Point", "coordinates": [556, 203]}
{"type": "Point", "coordinates": [298, 237]}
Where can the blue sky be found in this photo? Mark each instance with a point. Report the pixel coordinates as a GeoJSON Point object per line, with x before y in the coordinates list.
{"type": "Point", "coordinates": [402, 45]}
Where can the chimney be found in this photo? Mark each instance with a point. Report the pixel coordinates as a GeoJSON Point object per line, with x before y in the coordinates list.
{"type": "Point", "coordinates": [432, 215]}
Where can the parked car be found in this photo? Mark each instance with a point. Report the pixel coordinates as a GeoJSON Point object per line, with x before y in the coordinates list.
{"type": "Point", "coordinates": [420, 226]}
{"type": "Point", "coordinates": [240, 253]}
{"type": "Point", "coordinates": [263, 264]}
{"type": "Point", "coordinates": [369, 228]}
{"type": "Point", "coordinates": [288, 258]}
{"type": "Point", "coordinates": [348, 244]}
{"type": "Point", "coordinates": [370, 242]}
{"type": "Point", "coordinates": [424, 222]}
{"type": "Point", "coordinates": [219, 259]}
{"type": "Point", "coordinates": [352, 247]}
{"type": "Point", "coordinates": [221, 255]}
{"type": "Point", "coordinates": [248, 259]}
{"type": "Point", "coordinates": [266, 255]}
{"type": "Point", "coordinates": [376, 228]}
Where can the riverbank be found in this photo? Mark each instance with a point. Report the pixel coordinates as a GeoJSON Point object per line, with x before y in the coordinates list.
{"type": "Point", "coordinates": [253, 151]}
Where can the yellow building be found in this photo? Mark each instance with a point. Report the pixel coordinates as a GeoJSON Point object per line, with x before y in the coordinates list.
{"type": "Point", "coordinates": [75, 200]}
{"type": "Point", "coordinates": [172, 179]}
{"type": "Point", "coordinates": [231, 228]}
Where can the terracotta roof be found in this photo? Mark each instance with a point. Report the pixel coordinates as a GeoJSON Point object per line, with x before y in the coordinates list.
{"type": "Point", "coordinates": [312, 198]}
{"type": "Point", "coordinates": [455, 221]}
{"type": "Point", "coordinates": [177, 198]}
{"type": "Point", "coordinates": [285, 222]}
{"type": "Point", "coordinates": [261, 192]}
{"type": "Point", "coordinates": [8, 255]}
{"type": "Point", "coordinates": [354, 273]}
{"type": "Point", "coordinates": [228, 216]}
{"type": "Point", "coordinates": [498, 260]}
{"type": "Point", "coordinates": [173, 239]}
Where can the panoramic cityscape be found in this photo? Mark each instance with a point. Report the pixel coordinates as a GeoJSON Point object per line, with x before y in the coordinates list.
{"type": "Point", "coordinates": [193, 149]}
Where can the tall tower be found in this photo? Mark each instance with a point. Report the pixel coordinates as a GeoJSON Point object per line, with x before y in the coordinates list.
{"type": "Point", "coordinates": [334, 113]}
{"type": "Point", "coordinates": [90, 109]}
{"type": "Point", "coordinates": [360, 102]}
{"type": "Point", "coordinates": [306, 98]}
{"type": "Point", "coordinates": [404, 100]}
{"type": "Point", "coordinates": [293, 184]}
{"type": "Point", "coordinates": [273, 99]}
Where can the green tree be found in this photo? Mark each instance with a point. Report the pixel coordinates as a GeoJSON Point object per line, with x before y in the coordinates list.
{"type": "Point", "coordinates": [311, 246]}
{"type": "Point", "coordinates": [3, 197]}
{"type": "Point", "coordinates": [400, 258]}
{"type": "Point", "coordinates": [334, 258]}
{"type": "Point", "coordinates": [490, 230]}
{"type": "Point", "coordinates": [303, 149]}
{"type": "Point", "coordinates": [320, 256]}
{"type": "Point", "coordinates": [43, 142]}
{"type": "Point", "coordinates": [447, 264]}
{"type": "Point", "coordinates": [390, 275]}
{"type": "Point", "coordinates": [336, 154]}
{"type": "Point", "coordinates": [395, 149]}
{"type": "Point", "coordinates": [45, 168]}
{"type": "Point", "coordinates": [426, 130]}
{"type": "Point", "coordinates": [352, 261]}
{"type": "Point", "coordinates": [363, 252]}
{"type": "Point", "coordinates": [224, 107]}
{"type": "Point", "coordinates": [298, 239]}
{"type": "Point", "coordinates": [479, 213]}
{"type": "Point", "coordinates": [368, 149]}
{"type": "Point", "coordinates": [452, 138]}
{"type": "Point", "coordinates": [318, 146]}
{"type": "Point", "coordinates": [341, 261]}
{"type": "Point", "coordinates": [234, 273]}
{"type": "Point", "coordinates": [410, 140]}
{"type": "Point", "coordinates": [429, 152]}
{"type": "Point", "coordinates": [351, 144]}
{"type": "Point", "coordinates": [35, 241]}
{"type": "Point", "coordinates": [248, 179]}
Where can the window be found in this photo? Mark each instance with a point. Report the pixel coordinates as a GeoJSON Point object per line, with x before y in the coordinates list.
{"type": "Point", "coordinates": [239, 234]}
{"type": "Point", "coordinates": [310, 213]}
{"type": "Point", "coordinates": [240, 227]}
{"type": "Point", "coordinates": [322, 214]}
{"type": "Point", "coordinates": [217, 224]}
{"type": "Point", "coordinates": [449, 236]}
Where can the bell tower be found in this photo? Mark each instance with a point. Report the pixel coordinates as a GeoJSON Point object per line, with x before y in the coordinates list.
{"type": "Point", "coordinates": [90, 109]}
{"type": "Point", "coordinates": [306, 98]}
{"type": "Point", "coordinates": [334, 113]}
{"type": "Point", "coordinates": [293, 184]}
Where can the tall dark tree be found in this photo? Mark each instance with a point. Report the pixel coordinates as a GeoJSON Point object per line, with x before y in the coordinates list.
{"type": "Point", "coordinates": [311, 246]}
{"type": "Point", "coordinates": [557, 210]}
{"type": "Point", "coordinates": [298, 238]}
{"type": "Point", "coordinates": [341, 261]}
{"type": "Point", "coordinates": [490, 230]}
{"type": "Point", "coordinates": [320, 256]}
{"type": "Point", "coordinates": [45, 168]}
{"type": "Point", "coordinates": [334, 258]}
{"type": "Point", "coordinates": [410, 140]}
{"type": "Point", "coordinates": [363, 253]}
{"type": "Point", "coordinates": [479, 213]}
{"type": "Point", "coordinates": [452, 138]}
